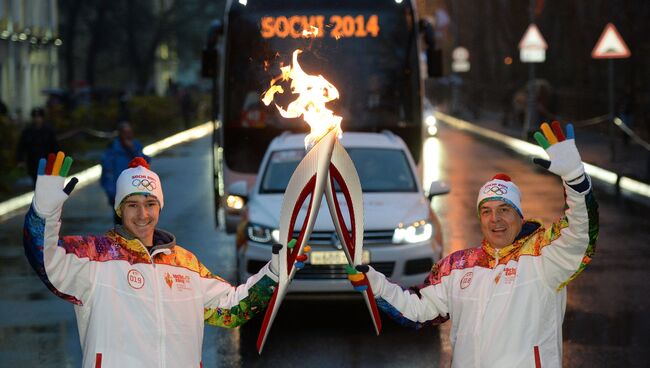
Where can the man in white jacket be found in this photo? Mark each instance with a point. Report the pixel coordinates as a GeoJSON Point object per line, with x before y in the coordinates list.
{"type": "Point", "coordinates": [140, 299]}
{"type": "Point", "coordinates": [506, 298]}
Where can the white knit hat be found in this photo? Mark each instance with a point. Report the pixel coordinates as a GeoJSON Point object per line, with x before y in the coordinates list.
{"type": "Point", "coordinates": [138, 179]}
{"type": "Point", "coordinates": [500, 188]}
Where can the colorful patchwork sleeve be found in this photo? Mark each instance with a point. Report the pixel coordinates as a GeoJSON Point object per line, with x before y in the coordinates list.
{"type": "Point", "coordinates": [230, 306]}
{"type": "Point", "coordinates": [415, 307]}
{"type": "Point", "coordinates": [570, 243]}
{"type": "Point", "coordinates": [63, 264]}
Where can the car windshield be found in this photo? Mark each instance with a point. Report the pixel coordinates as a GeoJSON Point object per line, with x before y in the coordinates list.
{"type": "Point", "coordinates": [380, 170]}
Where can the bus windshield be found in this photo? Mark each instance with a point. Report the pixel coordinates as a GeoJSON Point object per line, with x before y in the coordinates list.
{"type": "Point", "coordinates": [365, 48]}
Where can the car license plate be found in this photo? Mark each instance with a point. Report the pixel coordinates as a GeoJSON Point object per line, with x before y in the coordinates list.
{"type": "Point", "coordinates": [334, 257]}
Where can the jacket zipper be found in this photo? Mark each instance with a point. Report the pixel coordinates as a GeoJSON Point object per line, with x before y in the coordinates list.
{"type": "Point", "coordinates": [159, 309]}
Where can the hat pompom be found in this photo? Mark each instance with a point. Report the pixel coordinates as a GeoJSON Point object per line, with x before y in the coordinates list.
{"type": "Point", "coordinates": [139, 161]}
{"type": "Point", "coordinates": [501, 176]}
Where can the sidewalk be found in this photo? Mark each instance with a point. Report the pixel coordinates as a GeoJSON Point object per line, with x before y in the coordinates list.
{"type": "Point", "coordinates": [631, 160]}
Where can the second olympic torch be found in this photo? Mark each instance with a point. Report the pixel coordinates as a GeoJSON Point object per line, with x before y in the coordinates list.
{"type": "Point", "coordinates": [325, 166]}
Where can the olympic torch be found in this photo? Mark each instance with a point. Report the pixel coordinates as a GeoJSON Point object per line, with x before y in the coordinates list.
{"type": "Point", "coordinates": [325, 165]}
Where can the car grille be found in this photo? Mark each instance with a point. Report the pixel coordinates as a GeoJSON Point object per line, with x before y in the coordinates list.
{"type": "Point", "coordinates": [370, 237]}
{"type": "Point", "coordinates": [320, 272]}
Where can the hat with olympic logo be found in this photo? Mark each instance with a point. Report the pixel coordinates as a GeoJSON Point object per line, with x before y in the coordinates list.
{"type": "Point", "coordinates": [138, 179]}
{"type": "Point", "coordinates": [500, 188]}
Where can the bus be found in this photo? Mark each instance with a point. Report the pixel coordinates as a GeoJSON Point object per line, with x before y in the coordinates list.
{"type": "Point", "coordinates": [368, 49]}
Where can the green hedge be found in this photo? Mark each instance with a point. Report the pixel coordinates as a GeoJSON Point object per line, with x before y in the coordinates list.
{"type": "Point", "coordinates": [155, 116]}
{"type": "Point", "coordinates": [9, 134]}
{"type": "Point", "coordinates": [152, 118]}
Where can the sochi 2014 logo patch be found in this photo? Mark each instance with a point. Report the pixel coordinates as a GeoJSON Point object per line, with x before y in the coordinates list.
{"type": "Point", "coordinates": [466, 280]}
{"type": "Point", "coordinates": [182, 282]}
{"type": "Point", "coordinates": [135, 279]}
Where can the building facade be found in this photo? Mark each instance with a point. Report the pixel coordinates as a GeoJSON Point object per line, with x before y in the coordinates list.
{"type": "Point", "coordinates": [28, 53]}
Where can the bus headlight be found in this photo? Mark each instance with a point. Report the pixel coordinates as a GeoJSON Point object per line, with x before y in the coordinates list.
{"type": "Point", "coordinates": [262, 234]}
{"type": "Point", "coordinates": [235, 202]}
{"type": "Point", "coordinates": [416, 232]}
{"type": "Point", "coordinates": [432, 125]}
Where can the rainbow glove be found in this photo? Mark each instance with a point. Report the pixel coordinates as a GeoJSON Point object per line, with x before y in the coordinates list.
{"type": "Point", "coordinates": [300, 260]}
{"type": "Point", "coordinates": [565, 159]}
{"type": "Point", "coordinates": [357, 276]}
{"type": "Point", "coordinates": [50, 194]}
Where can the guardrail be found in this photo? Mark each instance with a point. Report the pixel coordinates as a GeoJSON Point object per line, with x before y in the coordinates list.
{"type": "Point", "coordinates": [528, 149]}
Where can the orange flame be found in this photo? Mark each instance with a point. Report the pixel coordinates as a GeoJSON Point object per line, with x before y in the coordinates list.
{"type": "Point", "coordinates": [313, 93]}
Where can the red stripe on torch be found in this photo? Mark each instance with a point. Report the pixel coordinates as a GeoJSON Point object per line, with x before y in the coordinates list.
{"type": "Point", "coordinates": [291, 254]}
{"type": "Point", "coordinates": [267, 319]}
{"type": "Point", "coordinates": [308, 189]}
{"type": "Point", "coordinates": [350, 241]}
{"type": "Point", "coordinates": [538, 360]}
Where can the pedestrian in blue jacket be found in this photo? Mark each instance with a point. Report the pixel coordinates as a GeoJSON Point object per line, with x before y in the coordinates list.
{"type": "Point", "coordinates": [116, 158]}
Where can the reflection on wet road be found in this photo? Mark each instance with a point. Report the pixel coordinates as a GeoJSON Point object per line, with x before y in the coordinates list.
{"type": "Point", "coordinates": [607, 316]}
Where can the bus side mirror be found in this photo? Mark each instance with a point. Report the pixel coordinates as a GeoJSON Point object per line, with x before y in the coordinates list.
{"type": "Point", "coordinates": [433, 54]}
{"type": "Point", "coordinates": [210, 55]}
{"type": "Point", "coordinates": [438, 188]}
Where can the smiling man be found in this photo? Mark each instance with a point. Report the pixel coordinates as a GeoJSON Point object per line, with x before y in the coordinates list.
{"type": "Point", "coordinates": [506, 298]}
{"type": "Point", "coordinates": [140, 299]}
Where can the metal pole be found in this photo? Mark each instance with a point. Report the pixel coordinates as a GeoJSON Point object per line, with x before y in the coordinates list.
{"type": "Point", "coordinates": [612, 112]}
{"type": "Point", "coordinates": [531, 113]}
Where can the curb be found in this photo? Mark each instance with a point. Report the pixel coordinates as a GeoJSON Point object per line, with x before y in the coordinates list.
{"type": "Point", "coordinates": [10, 208]}
{"type": "Point", "coordinates": [529, 149]}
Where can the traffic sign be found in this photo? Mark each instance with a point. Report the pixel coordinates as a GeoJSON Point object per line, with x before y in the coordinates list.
{"type": "Point", "coordinates": [532, 47]}
{"type": "Point", "coordinates": [610, 45]}
{"type": "Point", "coordinates": [460, 62]}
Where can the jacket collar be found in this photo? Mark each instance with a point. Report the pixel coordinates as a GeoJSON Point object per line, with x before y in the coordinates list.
{"type": "Point", "coordinates": [162, 239]}
{"type": "Point", "coordinates": [529, 228]}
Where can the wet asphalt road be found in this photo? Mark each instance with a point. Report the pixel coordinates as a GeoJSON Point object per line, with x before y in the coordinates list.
{"type": "Point", "coordinates": [607, 321]}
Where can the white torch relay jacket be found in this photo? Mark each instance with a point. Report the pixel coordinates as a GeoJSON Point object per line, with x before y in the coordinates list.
{"type": "Point", "coordinates": [506, 305]}
{"type": "Point", "coordinates": [135, 308]}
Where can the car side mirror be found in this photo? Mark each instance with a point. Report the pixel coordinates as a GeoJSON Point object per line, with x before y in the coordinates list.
{"type": "Point", "coordinates": [237, 195]}
{"type": "Point", "coordinates": [438, 188]}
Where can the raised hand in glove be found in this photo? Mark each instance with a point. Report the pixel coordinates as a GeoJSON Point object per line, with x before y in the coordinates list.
{"type": "Point", "coordinates": [50, 193]}
{"type": "Point", "coordinates": [565, 160]}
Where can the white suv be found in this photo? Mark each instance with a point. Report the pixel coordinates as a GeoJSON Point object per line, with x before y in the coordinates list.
{"type": "Point", "coordinates": [400, 226]}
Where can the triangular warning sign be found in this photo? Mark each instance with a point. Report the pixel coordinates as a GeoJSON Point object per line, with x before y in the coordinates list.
{"type": "Point", "coordinates": [532, 39]}
{"type": "Point", "coordinates": [610, 45]}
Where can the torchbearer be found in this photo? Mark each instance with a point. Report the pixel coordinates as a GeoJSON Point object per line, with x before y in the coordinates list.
{"type": "Point", "coordinates": [140, 299]}
{"type": "Point", "coordinates": [506, 298]}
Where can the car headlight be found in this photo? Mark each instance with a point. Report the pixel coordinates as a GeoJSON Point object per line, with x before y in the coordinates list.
{"type": "Point", "coordinates": [416, 232]}
{"type": "Point", "coordinates": [262, 234]}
